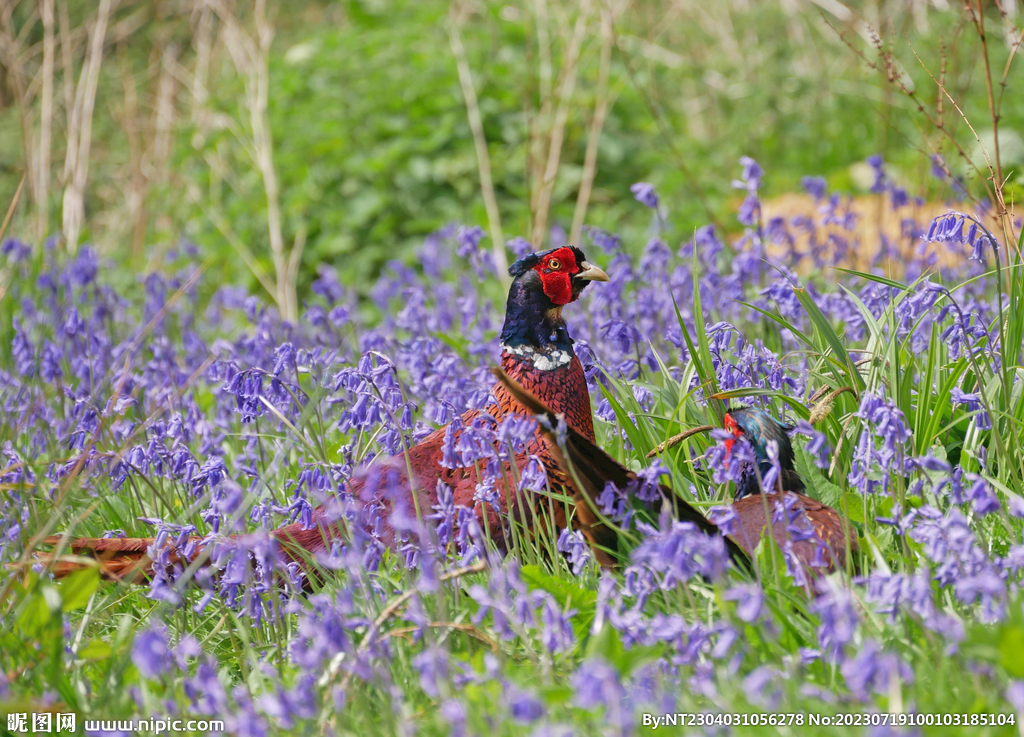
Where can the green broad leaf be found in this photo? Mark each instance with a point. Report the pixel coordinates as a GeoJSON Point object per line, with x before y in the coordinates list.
{"type": "Point", "coordinates": [607, 644]}
{"type": "Point", "coordinates": [854, 507]}
{"type": "Point", "coordinates": [76, 589]}
{"type": "Point", "coordinates": [1001, 644]}
{"type": "Point", "coordinates": [35, 616]}
{"type": "Point", "coordinates": [817, 486]}
{"type": "Point", "coordinates": [1011, 650]}
{"type": "Point", "coordinates": [96, 650]}
{"type": "Point", "coordinates": [637, 656]}
{"type": "Point", "coordinates": [874, 278]}
{"type": "Point", "coordinates": [556, 694]}
{"type": "Point", "coordinates": [565, 592]}
{"type": "Point", "coordinates": [828, 334]}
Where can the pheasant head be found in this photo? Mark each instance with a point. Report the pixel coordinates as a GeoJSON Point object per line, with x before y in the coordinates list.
{"type": "Point", "coordinates": [543, 283]}
{"type": "Point", "coordinates": [760, 428]}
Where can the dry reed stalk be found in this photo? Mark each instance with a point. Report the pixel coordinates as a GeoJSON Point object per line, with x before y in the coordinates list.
{"type": "Point", "coordinates": [250, 57]}
{"type": "Point", "coordinates": [565, 92]}
{"type": "Point", "coordinates": [483, 158]}
{"type": "Point", "coordinates": [601, 105]}
{"type": "Point", "coordinates": [13, 53]}
{"type": "Point", "coordinates": [76, 163]}
{"type": "Point", "coordinates": [42, 198]}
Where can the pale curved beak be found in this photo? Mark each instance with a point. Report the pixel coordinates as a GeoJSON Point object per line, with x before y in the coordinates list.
{"type": "Point", "coordinates": [589, 272]}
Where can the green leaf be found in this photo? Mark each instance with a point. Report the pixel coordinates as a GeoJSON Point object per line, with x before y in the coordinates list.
{"type": "Point", "coordinates": [96, 650]}
{"type": "Point", "coordinates": [566, 592]}
{"type": "Point", "coordinates": [607, 644]}
{"type": "Point", "coordinates": [828, 334]}
{"type": "Point", "coordinates": [874, 278]}
{"type": "Point", "coordinates": [854, 507]}
{"type": "Point", "coordinates": [35, 616]}
{"type": "Point", "coordinates": [76, 589]}
{"type": "Point", "coordinates": [1002, 644]}
{"type": "Point", "coordinates": [817, 486]}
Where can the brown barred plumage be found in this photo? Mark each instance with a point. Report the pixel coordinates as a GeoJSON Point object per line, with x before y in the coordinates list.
{"type": "Point", "coordinates": [595, 468]}
{"type": "Point", "coordinates": [537, 351]}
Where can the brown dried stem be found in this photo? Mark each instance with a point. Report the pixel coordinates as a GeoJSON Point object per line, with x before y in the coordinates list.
{"type": "Point", "coordinates": [250, 55]}
{"type": "Point", "coordinates": [596, 124]}
{"type": "Point", "coordinates": [895, 77]}
{"type": "Point", "coordinates": [677, 439]}
{"type": "Point", "coordinates": [391, 610]}
{"type": "Point", "coordinates": [76, 162]}
{"type": "Point", "coordinates": [483, 159]}
{"type": "Point", "coordinates": [566, 87]}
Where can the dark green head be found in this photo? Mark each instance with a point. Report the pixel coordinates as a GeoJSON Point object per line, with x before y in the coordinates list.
{"type": "Point", "coordinates": [759, 428]}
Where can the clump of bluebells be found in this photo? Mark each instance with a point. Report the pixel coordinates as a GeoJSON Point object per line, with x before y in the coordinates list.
{"type": "Point", "coordinates": [207, 421]}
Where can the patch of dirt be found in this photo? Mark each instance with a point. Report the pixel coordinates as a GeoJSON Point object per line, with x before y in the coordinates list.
{"type": "Point", "coordinates": [875, 223]}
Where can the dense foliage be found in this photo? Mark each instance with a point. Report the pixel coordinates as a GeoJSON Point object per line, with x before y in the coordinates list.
{"type": "Point", "coordinates": [372, 148]}
{"type": "Point", "coordinates": [146, 412]}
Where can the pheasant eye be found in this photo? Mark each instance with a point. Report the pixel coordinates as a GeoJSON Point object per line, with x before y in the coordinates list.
{"type": "Point", "coordinates": [554, 264]}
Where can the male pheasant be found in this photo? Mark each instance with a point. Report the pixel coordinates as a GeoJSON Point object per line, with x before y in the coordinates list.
{"type": "Point", "coordinates": [537, 352]}
{"type": "Point", "coordinates": [827, 525]}
{"type": "Point", "coordinates": [821, 545]}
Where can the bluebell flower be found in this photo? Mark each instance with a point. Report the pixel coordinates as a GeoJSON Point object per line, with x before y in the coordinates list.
{"type": "Point", "coordinates": [817, 446]}
{"type": "Point", "coordinates": [433, 668]}
{"type": "Point", "coordinates": [816, 187]}
{"type": "Point", "coordinates": [22, 351]}
{"type": "Point", "coordinates": [556, 627]}
{"type": "Point", "coordinates": [519, 246]}
{"type": "Point", "coordinates": [595, 684]}
{"type": "Point", "coordinates": [524, 707]}
{"type": "Point", "coordinates": [982, 420]}
{"type": "Point", "coordinates": [454, 713]}
{"type": "Point", "coordinates": [838, 620]}
{"type": "Point", "coordinates": [151, 653]}
{"type": "Point", "coordinates": [750, 600]}
{"type": "Point", "coordinates": [873, 670]}
{"type": "Point", "coordinates": [645, 194]}
{"type": "Point", "coordinates": [15, 250]}
{"type": "Point", "coordinates": [574, 546]}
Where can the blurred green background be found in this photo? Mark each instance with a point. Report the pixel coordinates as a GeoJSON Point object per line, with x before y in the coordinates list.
{"type": "Point", "coordinates": [371, 145]}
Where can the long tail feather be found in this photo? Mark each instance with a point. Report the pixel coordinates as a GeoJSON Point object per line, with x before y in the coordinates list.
{"type": "Point", "coordinates": [117, 558]}
{"type": "Point", "coordinates": [594, 468]}
{"type": "Point", "coordinates": [127, 559]}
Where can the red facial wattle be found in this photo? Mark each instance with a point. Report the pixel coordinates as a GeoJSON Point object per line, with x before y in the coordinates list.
{"type": "Point", "coordinates": [735, 429]}
{"type": "Point", "coordinates": [556, 272]}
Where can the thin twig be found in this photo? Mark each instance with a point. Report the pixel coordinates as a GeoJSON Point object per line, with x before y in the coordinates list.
{"type": "Point", "coordinates": [14, 204]}
{"type": "Point", "coordinates": [76, 163]}
{"type": "Point", "coordinates": [666, 136]}
{"type": "Point", "coordinates": [469, 629]}
{"type": "Point", "coordinates": [229, 235]}
{"type": "Point", "coordinates": [389, 611]}
{"type": "Point", "coordinates": [596, 125]}
{"type": "Point", "coordinates": [677, 439]}
{"type": "Point", "coordinates": [483, 159]}
{"type": "Point", "coordinates": [570, 69]}
{"type": "Point", "coordinates": [979, 22]}
{"type": "Point", "coordinates": [250, 56]}
{"type": "Point", "coordinates": [42, 198]}
{"type": "Point", "coordinates": [894, 77]}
